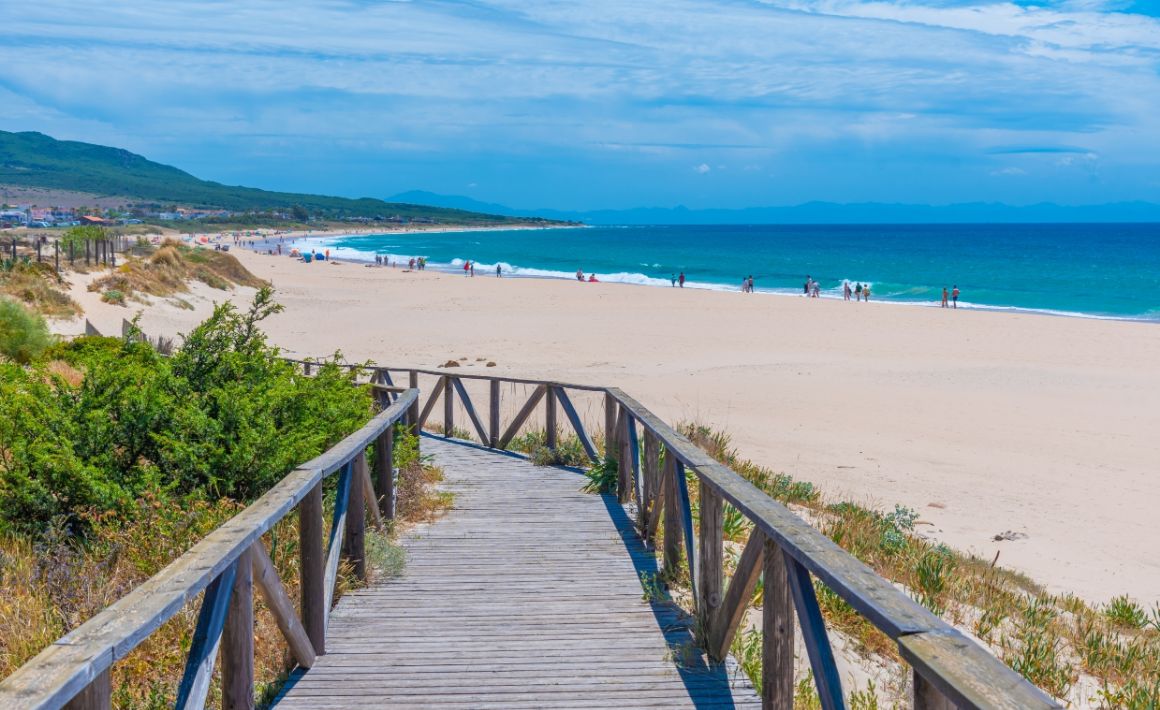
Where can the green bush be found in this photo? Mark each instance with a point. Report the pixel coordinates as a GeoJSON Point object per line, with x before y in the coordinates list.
{"type": "Point", "coordinates": [225, 416]}
{"type": "Point", "coordinates": [24, 335]}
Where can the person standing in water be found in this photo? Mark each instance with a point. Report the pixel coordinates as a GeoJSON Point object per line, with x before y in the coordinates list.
{"type": "Point", "coordinates": [858, 292]}
{"type": "Point", "coordinates": [750, 284]}
{"type": "Point", "coordinates": [681, 279]}
{"type": "Point", "coordinates": [806, 287]}
{"type": "Point", "coordinates": [955, 296]}
{"type": "Point", "coordinates": [846, 290]}
{"type": "Point", "coordinates": [866, 292]}
{"type": "Point", "coordinates": [946, 295]}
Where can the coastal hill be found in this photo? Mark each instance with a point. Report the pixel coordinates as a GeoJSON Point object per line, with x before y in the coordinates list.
{"type": "Point", "coordinates": [823, 212]}
{"type": "Point", "coordinates": [34, 160]}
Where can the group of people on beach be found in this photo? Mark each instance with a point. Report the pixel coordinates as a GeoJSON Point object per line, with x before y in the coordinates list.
{"type": "Point", "coordinates": [858, 292]}
{"type": "Point", "coordinates": [678, 280]}
{"type": "Point", "coordinates": [580, 277]}
{"type": "Point", "coordinates": [747, 284]}
{"type": "Point", "coordinates": [953, 295]}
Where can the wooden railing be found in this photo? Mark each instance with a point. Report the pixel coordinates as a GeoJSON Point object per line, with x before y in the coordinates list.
{"type": "Point", "coordinates": [949, 669]}
{"type": "Point", "coordinates": [74, 672]}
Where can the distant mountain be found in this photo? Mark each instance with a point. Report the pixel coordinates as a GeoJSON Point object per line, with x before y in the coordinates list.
{"type": "Point", "coordinates": [823, 213]}
{"type": "Point", "coordinates": [36, 160]}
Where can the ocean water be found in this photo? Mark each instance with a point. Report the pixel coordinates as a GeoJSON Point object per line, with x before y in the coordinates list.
{"type": "Point", "coordinates": [1094, 270]}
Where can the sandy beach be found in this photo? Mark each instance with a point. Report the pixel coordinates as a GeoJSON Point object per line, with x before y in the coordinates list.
{"type": "Point", "coordinates": [983, 422]}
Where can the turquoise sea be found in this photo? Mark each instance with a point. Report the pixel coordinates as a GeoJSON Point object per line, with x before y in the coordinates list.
{"type": "Point", "coordinates": [1094, 270]}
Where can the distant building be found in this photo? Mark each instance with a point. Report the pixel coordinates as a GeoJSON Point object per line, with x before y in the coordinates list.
{"type": "Point", "coordinates": [90, 219]}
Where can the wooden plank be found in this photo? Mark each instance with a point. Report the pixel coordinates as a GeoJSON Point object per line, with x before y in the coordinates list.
{"type": "Point", "coordinates": [269, 584]}
{"type": "Point", "coordinates": [385, 472]}
{"type": "Point", "coordinates": [711, 574]}
{"type": "Point", "coordinates": [467, 405]}
{"type": "Point", "coordinates": [577, 424]}
{"type": "Point", "coordinates": [522, 416]}
{"type": "Point", "coordinates": [551, 431]}
{"type": "Point", "coordinates": [926, 696]}
{"type": "Point", "coordinates": [493, 422]}
{"type": "Point", "coordinates": [337, 530]}
{"type": "Point", "coordinates": [438, 389]}
{"type": "Point", "coordinates": [634, 458]}
{"type": "Point", "coordinates": [449, 407]}
{"type": "Point", "coordinates": [650, 466]}
{"type": "Point", "coordinates": [625, 479]}
{"type": "Point", "coordinates": [958, 669]}
{"type": "Point", "coordinates": [611, 424]}
{"type": "Point", "coordinates": [237, 645]}
{"type": "Point", "coordinates": [672, 513]}
{"type": "Point", "coordinates": [512, 380]}
{"type": "Point", "coordinates": [826, 678]}
{"type": "Point", "coordinates": [413, 411]}
{"type": "Point", "coordinates": [737, 596]}
{"type": "Point", "coordinates": [98, 695]}
{"type": "Point", "coordinates": [363, 478]}
{"type": "Point", "coordinates": [777, 623]}
{"type": "Point", "coordinates": [207, 636]}
{"type": "Point", "coordinates": [685, 509]}
{"type": "Point", "coordinates": [312, 575]}
{"type": "Point", "coordinates": [354, 537]}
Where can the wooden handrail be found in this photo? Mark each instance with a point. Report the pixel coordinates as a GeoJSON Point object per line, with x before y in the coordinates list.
{"type": "Point", "coordinates": [67, 667]}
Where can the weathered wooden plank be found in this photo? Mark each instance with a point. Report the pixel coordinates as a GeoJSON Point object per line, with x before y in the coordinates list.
{"type": "Point", "coordinates": [312, 574]}
{"type": "Point", "coordinates": [737, 596]}
{"type": "Point", "coordinates": [826, 678]}
{"type": "Point", "coordinates": [551, 431]}
{"type": "Point", "coordinates": [926, 696]}
{"type": "Point", "coordinates": [439, 388]}
{"type": "Point", "coordinates": [385, 472]}
{"type": "Point", "coordinates": [413, 410]}
{"type": "Point", "coordinates": [686, 518]}
{"type": "Point", "coordinates": [777, 624]}
{"type": "Point", "coordinates": [237, 645]}
{"type": "Point", "coordinates": [470, 409]}
{"type": "Point", "coordinates": [611, 425]}
{"type": "Point", "coordinates": [710, 571]}
{"type": "Point", "coordinates": [97, 695]}
{"type": "Point", "coordinates": [957, 668]}
{"type": "Point", "coordinates": [354, 539]}
{"type": "Point", "coordinates": [672, 512]}
{"type": "Point", "coordinates": [207, 636]}
{"type": "Point", "coordinates": [493, 421]}
{"type": "Point", "coordinates": [501, 378]}
{"type": "Point", "coordinates": [274, 594]}
{"type": "Point", "coordinates": [633, 451]}
{"type": "Point", "coordinates": [449, 406]}
{"type": "Point", "coordinates": [577, 424]}
{"type": "Point", "coordinates": [337, 530]}
{"type": "Point", "coordinates": [650, 474]}
{"type": "Point", "coordinates": [522, 416]}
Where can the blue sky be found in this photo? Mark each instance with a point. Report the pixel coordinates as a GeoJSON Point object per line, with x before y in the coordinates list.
{"type": "Point", "coordinates": [602, 104]}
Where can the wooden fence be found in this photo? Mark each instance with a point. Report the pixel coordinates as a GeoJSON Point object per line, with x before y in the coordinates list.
{"type": "Point", "coordinates": [949, 669]}
{"type": "Point", "coordinates": [226, 565]}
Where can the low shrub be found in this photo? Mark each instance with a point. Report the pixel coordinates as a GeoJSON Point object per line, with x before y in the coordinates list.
{"type": "Point", "coordinates": [24, 335]}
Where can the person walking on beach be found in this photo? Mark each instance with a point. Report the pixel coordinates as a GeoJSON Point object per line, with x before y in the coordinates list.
{"type": "Point", "coordinates": [866, 292]}
{"type": "Point", "coordinates": [749, 283]}
{"type": "Point", "coordinates": [579, 274]}
{"type": "Point", "coordinates": [858, 291]}
{"type": "Point", "coordinates": [806, 287]}
{"type": "Point", "coordinates": [498, 270]}
{"type": "Point", "coordinates": [681, 279]}
{"type": "Point", "coordinates": [817, 290]}
{"type": "Point", "coordinates": [955, 297]}
{"type": "Point", "coordinates": [673, 280]}
{"type": "Point", "coordinates": [846, 290]}
{"type": "Point", "coordinates": [472, 265]}
{"type": "Point", "coordinates": [466, 268]}
{"type": "Point", "coordinates": [946, 295]}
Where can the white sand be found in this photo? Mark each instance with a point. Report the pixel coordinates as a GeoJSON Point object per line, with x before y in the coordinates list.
{"type": "Point", "coordinates": [1041, 425]}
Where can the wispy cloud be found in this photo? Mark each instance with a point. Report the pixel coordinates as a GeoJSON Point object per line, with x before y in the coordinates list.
{"type": "Point", "coordinates": [828, 99]}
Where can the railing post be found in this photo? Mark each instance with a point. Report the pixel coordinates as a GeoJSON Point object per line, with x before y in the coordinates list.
{"type": "Point", "coordinates": [610, 426]}
{"type": "Point", "coordinates": [306, 368]}
{"type": "Point", "coordinates": [97, 695]}
{"type": "Point", "coordinates": [354, 539]}
{"type": "Point", "coordinates": [672, 513]}
{"type": "Point", "coordinates": [413, 410]}
{"type": "Point", "coordinates": [237, 649]}
{"type": "Point", "coordinates": [711, 584]}
{"type": "Point", "coordinates": [312, 575]}
{"type": "Point", "coordinates": [928, 697]}
{"type": "Point", "coordinates": [550, 417]}
{"type": "Point", "coordinates": [624, 462]}
{"type": "Point", "coordinates": [385, 471]}
{"type": "Point", "coordinates": [493, 415]}
{"type": "Point", "coordinates": [777, 620]}
{"type": "Point", "coordinates": [652, 479]}
{"type": "Point", "coordinates": [448, 406]}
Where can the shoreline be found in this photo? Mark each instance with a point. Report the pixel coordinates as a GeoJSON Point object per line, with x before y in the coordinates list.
{"type": "Point", "coordinates": [487, 270]}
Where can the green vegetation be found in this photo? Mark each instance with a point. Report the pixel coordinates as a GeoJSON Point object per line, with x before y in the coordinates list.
{"type": "Point", "coordinates": [36, 160]}
{"type": "Point", "coordinates": [169, 269]}
{"type": "Point", "coordinates": [568, 452]}
{"type": "Point", "coordinates": [115, 460]}
{"type": "Point", "coordinates": [24, 335]}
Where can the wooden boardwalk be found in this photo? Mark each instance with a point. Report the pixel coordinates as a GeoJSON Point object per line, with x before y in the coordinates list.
{"type": "Point", "coordinates": [526, 595]}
